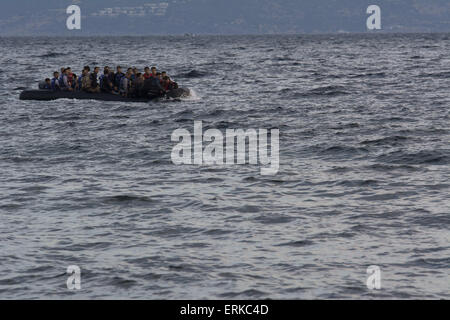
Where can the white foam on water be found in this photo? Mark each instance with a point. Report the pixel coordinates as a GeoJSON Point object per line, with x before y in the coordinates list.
{"type": "Point", "coordinates": [193, 96]}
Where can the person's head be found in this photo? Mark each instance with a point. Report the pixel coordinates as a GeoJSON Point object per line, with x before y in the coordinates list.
{"type": "Point", "coordinates": [166, 79]}
{"type": "Point", "coordinates": [47, 80]}
{"type": "Point", "coordinates": [134, 69]}
{"type": "Point", "coordinates": [163, 74]}
{"type": "Point", "coordinates": [85, 72]}
{"type": "Point", "coordinates": [139, 76]}
{"type": "Point", "coordinates": [119, 69]}
{"type": "Point", "coordinates": [87, 68]}
{"type": "Point", "coordinates": [56, 74]}
{"type": "Point", "coordinates": [154, 71]}
{"type": "Point", "coordinates": [74, 75]}
{"type": "Point", "coordinates": [130, 70]}
{"type": "Point", "coordinates": [63, 70]}
{"type": "Point", "coordinates": [106, 70]}
{"type": "Point", "coordinates": [96, 69]}
{"type": "Point", "coordinates": [147, 70]}
{"type": "Point", "coordinates": [68, 70]}
{"type": "Point", "coordinates": [158, 75]}
{"type": "Point", "coordinates": [128, 75]}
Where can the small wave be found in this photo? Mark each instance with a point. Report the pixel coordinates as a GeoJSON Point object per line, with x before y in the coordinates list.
{"type": "Point", "coordinates": [385, 167]}
{"type": "Point", "coordinates": [52, 55]}
{"type": "Point", "coordinates": [127, 199]}
{"type": "Point", "coordinates": [358, 183]}
{"type": "Point", "coordinates": [300, 243]}
{"type": "Point", "coordinates": [329, 91]}
{"type": "Point", "coordinates": [192, 74]}
{"type": "Point", "coordinates": [425, 218]}
{"type": "Point", "coordinates": [369, 75]}
{"type": "Point", "coordinates": [252, 293]}
{"type": "Point", "coordinates": [422, 157]}
{"type": "Point", "coordinates": [439, 75]}
{"type": "Point", "coordinates": [343, 150]}
{"type": "Point", "coordinates": [391, 141]}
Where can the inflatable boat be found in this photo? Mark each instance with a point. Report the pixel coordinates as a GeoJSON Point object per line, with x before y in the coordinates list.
{"type": "Point", "coordinates": [48, 95]}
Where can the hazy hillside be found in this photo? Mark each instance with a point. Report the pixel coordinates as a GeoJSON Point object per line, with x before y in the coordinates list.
{"type": "Point", "coordinates": [140, 17]}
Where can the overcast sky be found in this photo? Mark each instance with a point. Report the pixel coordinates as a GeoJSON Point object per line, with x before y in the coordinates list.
{"type": "Point", "coordinates": [146, 17]}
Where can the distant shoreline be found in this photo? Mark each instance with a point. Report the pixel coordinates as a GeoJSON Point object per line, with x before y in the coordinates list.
{"type": "Point", "coordinates": [371, 33]}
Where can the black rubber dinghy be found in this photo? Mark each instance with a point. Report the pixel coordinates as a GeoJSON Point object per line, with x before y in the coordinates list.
{"type": "Point", "coordinates": [47, 95]}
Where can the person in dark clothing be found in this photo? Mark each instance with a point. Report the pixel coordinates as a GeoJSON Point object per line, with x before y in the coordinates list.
{"type": "Point", "coordinates": [54, 83]}
{"type": "Point", "coordinates": [95, 88]}
{"type": "Point", "coordinates": [75, 82]}
{"type": "Point", "coordinates": [138, 84]}
{"type": "Point", "coordinates": [118, 77]}
{"type": "Point", "coordinates": [46, 85]}
{"type": "Point", "coordinates": [106, 84]}
{"type": "Point", "coordinates": [152, 87]}
{"type": "Point", "coordinates": [125, 85]}
{"type": "Point", "coordinates": [112, 77]}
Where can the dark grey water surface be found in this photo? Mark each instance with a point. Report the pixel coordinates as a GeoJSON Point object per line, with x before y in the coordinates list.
{"type": "Point", "coordinates": [364, 175]}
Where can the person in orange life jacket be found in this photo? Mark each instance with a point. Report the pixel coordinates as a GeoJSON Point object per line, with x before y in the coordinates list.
{"type": "Point", "coordinates": [118, 77]}
{"type": "Point", "coordinates": [54, 83]}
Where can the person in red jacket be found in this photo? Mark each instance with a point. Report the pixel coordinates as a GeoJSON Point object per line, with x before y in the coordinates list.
{"type": "Point", "coordinates": [147, 73]}
{"type": "Point", "coordinates": [168, 84]}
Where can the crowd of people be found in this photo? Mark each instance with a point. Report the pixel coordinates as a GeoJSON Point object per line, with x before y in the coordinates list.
{"type": "Point", "coordinates": [132, 83]}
